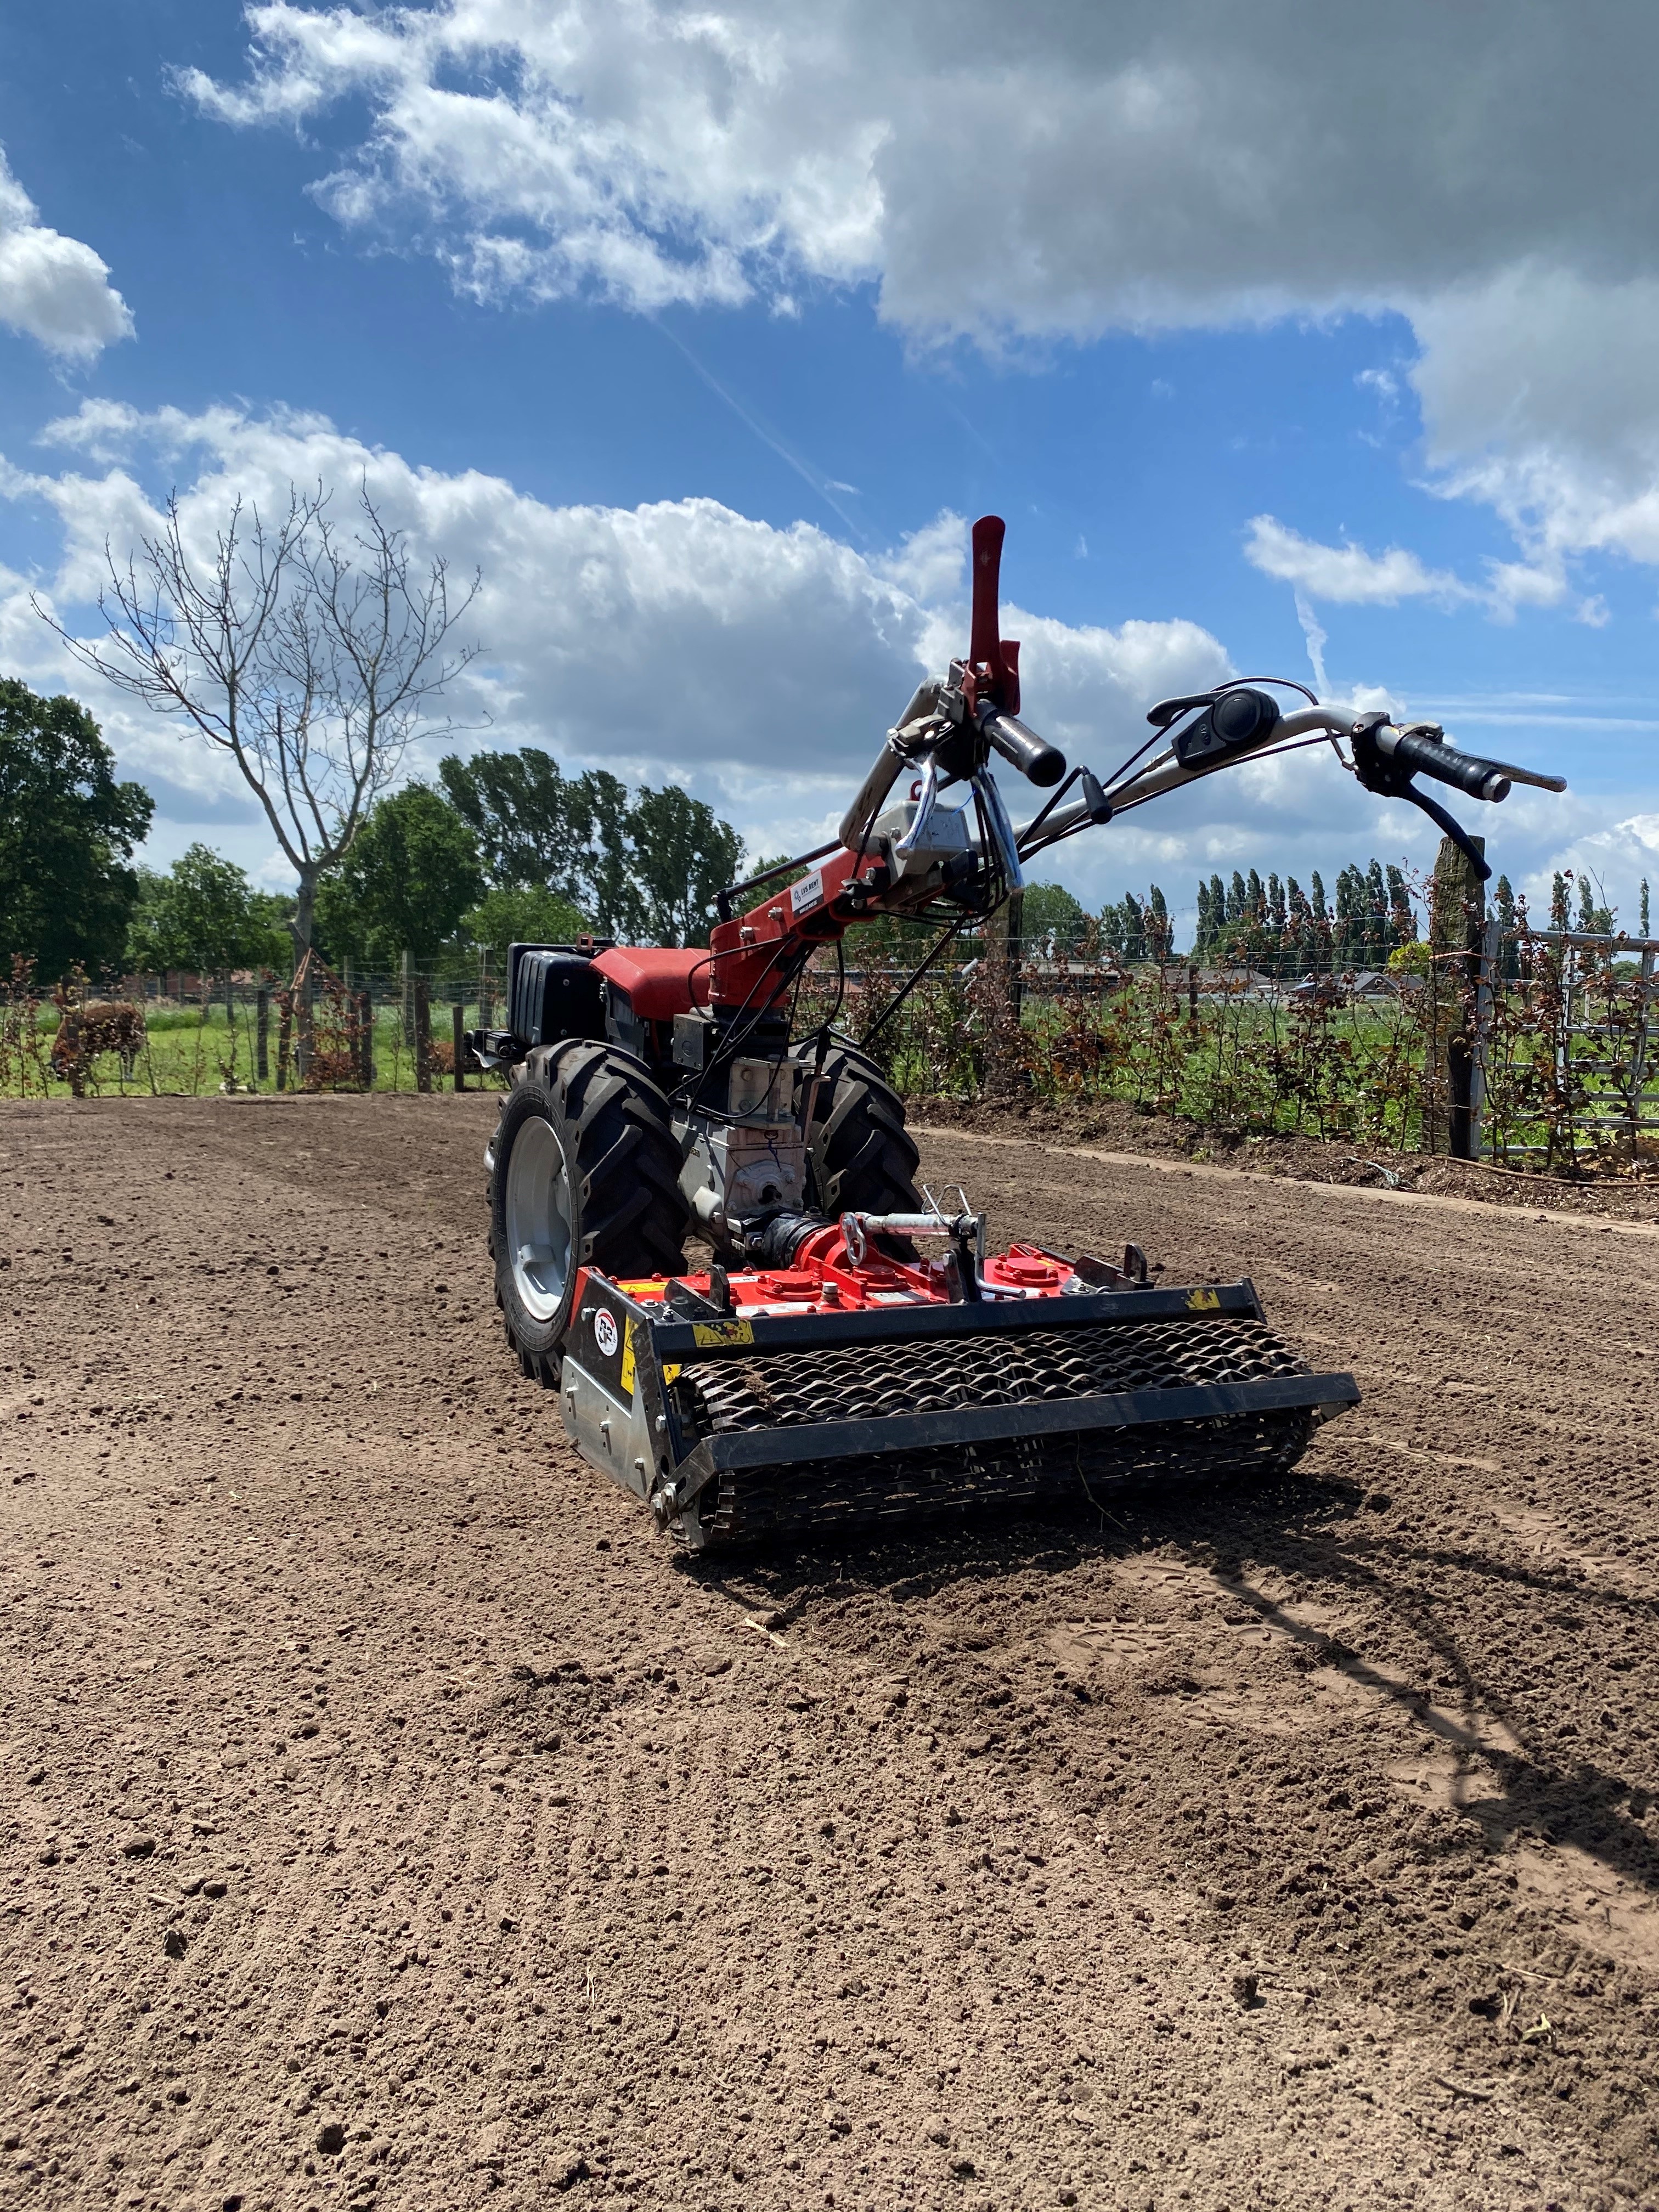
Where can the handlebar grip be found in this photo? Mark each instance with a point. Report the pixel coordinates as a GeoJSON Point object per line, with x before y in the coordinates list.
{"type": "Point", "coordinates": [1038, 760]}
{"type": "Point", "coordinates": [1481, 779]}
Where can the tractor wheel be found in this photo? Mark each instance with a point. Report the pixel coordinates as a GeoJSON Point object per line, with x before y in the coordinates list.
{"type": "Point", "coordinates": [861, 1157]}
{"type": "Point", "coordinates": [587, 1175]}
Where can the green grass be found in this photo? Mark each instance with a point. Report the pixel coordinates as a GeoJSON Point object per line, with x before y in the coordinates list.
{"type": "Point", "coordinates": [192, 1052]}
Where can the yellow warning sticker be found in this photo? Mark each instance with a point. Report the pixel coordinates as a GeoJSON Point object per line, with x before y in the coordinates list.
{"type": "Point", "coordinates": [628, 1361]}
{"type": "Point", "coordinates": [671, 1372]}
{"type": "Point", "coordinates": [1203, 1301]}
{"type": "Point", "coordinates": [650, 1287]}
{"type": "Point", "coordinates": [722, 1332]}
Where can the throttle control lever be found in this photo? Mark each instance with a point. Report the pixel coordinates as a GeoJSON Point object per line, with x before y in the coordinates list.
{"type": "Point", "coordinates": [1386, 759]}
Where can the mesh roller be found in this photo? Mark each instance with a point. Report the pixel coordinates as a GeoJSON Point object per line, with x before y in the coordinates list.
{"type": "Point", "coordinates": [787, 1389]}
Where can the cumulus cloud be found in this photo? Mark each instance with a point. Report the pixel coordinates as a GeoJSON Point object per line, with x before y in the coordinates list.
{"type": "Point", "coordinates": [1152, 165]}
{"type": "Point", "coordinates": [1155, 161]}
{"type": "Point", "coordinates": [679, 639]}
{"type": "Point", "coordinates": [54, 289]}
{"type": "Point", "coordinates": [758, 664]}
{"type": "Point", "coordinates": [1348, 574]}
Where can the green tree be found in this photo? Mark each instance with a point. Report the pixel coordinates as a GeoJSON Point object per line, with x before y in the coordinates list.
{"type": "Point", "coordinates": [1508, 929]}
{"type": "Point", "coordinates": [535, 826]}
{"type": "Point", "coordinates": [68, 831]}
{"type": "Point", "coordinates": [1160, 930]}
{"type": "Point", "coordinates": [202, 916]}
{"type": "Point", "coordinates": [521, 913]}
{"type": "Point", "coordinates": [1402, 919]}
{"type": "Point", "coordinates": [648, 866]}
{"type": "Point", "coordinates": [1051, 917]}
{"type": "Point", "coordinates": [410, 875]}
{"type": "Point", "coordinates": [682, 855]}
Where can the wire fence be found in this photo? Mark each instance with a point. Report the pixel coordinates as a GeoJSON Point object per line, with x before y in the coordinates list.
{"type": "Point", "coordinates": [1527, 1047]}
{"type": "Point", "coordinates": [186, 1035]}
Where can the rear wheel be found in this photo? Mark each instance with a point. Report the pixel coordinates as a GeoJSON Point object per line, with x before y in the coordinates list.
{"type": "Point", "coordinates": [587, 1175]}
{"type": "Point", "coordinates": [862, 1157]}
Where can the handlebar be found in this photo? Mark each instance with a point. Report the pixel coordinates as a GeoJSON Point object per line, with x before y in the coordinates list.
{"type": "Point", "coordinates": [1038, 760]}
{"type": "Point", "coordinates": [1481, 779]}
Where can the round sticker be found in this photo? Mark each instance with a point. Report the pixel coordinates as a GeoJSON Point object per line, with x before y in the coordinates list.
{"type": "Point", "coordinates": [604, 1331]}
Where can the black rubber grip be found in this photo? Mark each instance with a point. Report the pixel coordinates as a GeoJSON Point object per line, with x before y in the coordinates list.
{"type": "Point", "coordinates": [1033, 756]}
{"type": "Point", "coordinates": [1481, 779]}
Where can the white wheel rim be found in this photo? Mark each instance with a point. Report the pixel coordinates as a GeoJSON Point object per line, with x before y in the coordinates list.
{"type": "Point", "coordinates": [538, 1218]}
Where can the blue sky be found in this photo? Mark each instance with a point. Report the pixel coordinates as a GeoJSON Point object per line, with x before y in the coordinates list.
{"type": "Point", "coordinates": [676, 325]}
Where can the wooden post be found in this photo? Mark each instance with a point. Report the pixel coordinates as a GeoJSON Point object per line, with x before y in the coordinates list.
{"type": "Point", "coordinates": [485, 1007]}
{"type": "Point", "coordinates": [408, 996]}
{"type": "Point", "coordinates": [365, 1038]}
{"type": "Point", "coordinates": [284, 1025]}
{"type": "Point", "coordinates": [262, 1034]}
{"type": "Point", "coordinates": [422, 1034]}
{"type": "Point", "coordinates": [459, 1024]}
{"type": "Point", "coordinates": [307, 1021]}
{"type": "Point", "coordinates": [1003, 935]}
{"type": "Point", "coordinates": [1457, 919]}
{"type": "Point", "coordinates": [1014, 954]}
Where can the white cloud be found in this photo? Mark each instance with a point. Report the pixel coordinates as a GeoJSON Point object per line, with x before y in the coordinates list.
{"type": "Point", "coordinates": [759, 665]}
{"type": "Point", "coordinates": [1141, 164]}
{"type": "Point", "coordinates": [1148, 165]}
{"type": "Point", "coordinates": [1348, 574]}
{"type": "Point", "coordinates": [54, 289]}
{"type": "Point", "coordinates": [679, 639]}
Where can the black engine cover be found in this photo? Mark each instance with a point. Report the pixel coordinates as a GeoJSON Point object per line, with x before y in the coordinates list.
{"type": "Point", "coordinates": [553, 994]}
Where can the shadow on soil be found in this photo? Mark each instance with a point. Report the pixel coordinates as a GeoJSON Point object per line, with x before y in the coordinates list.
{"type": "Point", "coordinates": [1320, 1535]}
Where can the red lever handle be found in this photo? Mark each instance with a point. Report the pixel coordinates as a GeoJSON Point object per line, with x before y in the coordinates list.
{"type": "Point", "coordinates": [986, 648]}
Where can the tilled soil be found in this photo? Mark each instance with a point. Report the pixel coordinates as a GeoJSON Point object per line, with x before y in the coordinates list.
{"type": "Point", "coordinates": [1620, 1187]}
{"type": "Point", "coordinates": [392, 1818]}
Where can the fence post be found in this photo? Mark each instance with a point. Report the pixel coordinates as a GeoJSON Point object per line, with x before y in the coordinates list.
{"type": "Point", "coordinates": [1457, 917]}
{"type": "Point", "coordinates": [422, 1034]}
{"type": "Point", "coordinates": [1003, 934]}
{"type": "Point", "coordinates": [1488, 977]}
{"type": "Point", "coordinates": [459, 1024]}
{"type": "Point", "coordinates": [365, 1038]}
{"type": "Point", "coordinates": [262, 1034]}
{"type": "Point", "coordinates": [486, 1009]}
{"type": "Point", "coordinates": [408, 996]}
{"type": "Point", "coordinates": [284, 1025]}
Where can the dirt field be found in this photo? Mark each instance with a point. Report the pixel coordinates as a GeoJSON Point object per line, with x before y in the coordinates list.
{"type": "Point", "coordinates": [390, 1819]}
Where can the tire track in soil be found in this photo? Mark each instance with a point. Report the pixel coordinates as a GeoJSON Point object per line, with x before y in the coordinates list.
{"type": "Point", "coordinates": [548, 1875]}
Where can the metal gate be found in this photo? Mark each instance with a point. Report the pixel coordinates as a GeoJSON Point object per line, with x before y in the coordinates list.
{"type": "Point", "coordinates": [1600, 1036]}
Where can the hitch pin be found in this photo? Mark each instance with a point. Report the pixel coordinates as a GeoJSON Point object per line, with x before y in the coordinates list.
{"type": "Point", "coordinates": [857, 1229]}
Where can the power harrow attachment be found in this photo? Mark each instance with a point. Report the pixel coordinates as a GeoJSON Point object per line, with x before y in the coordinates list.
{"type": "Point", "coordinates": [836, 1394]}
{"type": "Point", "coordinates": [851, 1354]}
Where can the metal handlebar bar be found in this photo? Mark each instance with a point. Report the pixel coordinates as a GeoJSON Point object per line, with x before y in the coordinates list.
{"type": "Point", "coordinates": [1481, 779]}
{"type": "Point", "coordinates": [1038, 760]}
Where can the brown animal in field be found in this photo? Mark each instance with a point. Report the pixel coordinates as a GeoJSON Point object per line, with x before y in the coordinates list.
{"type": "Point", "coordinates": [106, 1025]}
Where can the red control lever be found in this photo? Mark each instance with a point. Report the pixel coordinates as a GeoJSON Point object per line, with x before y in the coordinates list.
{"type": "Point", "coordinates": [987, 649]}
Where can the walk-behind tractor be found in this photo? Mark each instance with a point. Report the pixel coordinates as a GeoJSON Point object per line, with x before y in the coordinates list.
{"type": "Point", "coordinates": [851, 1352]}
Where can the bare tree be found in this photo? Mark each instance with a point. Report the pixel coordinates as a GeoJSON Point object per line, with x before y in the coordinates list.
{"type": "Point", "coordinates": [307, 654]}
